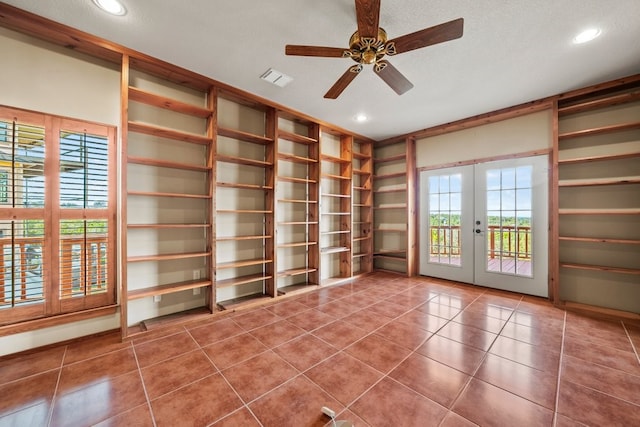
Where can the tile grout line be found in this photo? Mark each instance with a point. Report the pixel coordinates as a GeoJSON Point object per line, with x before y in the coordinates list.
{"type": "Point", "coordinates": [631, 341]}
{"type": "Point", "coordinates": [244, 404]}
{"type": "Point", "coordinates": [133, 343]}
{"type": "Point", "coordinates": [27, 377]}
{"type": "Point", "coordinates": [55, 391]}
{"type": "Point", "coordinates": [144, 387]}
{"type": "Point", "coordinates": [555, 411]}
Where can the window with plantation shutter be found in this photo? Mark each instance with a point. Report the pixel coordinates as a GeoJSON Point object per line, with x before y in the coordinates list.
{"type": "Point", "coordinates": [57, 215]}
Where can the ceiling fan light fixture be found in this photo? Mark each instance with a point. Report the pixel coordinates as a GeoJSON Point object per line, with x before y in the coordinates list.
{"type": "Point", "coordinates": [113, 7]}
{"type": "Point", "coordinates": [587, 35]}
{"type": "Point", "coordinates": [369, 56]}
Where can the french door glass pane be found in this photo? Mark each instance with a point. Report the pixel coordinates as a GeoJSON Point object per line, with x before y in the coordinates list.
{"type": "Point", "coordinates": [445, 204]}
{"type": "Point", "coordinates": [509, 195]}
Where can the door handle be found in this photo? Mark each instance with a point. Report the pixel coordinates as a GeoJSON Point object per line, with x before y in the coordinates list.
{"type": "Point", "coordinates": [478, 231]}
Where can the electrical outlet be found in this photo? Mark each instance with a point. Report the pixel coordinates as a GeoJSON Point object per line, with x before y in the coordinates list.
{"type": "Point", "coordinates": [196, 274]}
{"type": "Point", "coordinates": [157, 298]}
{"type": "Point", "coordinates": [196, 291]}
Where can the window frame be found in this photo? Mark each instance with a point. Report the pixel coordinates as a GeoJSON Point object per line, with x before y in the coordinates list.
{"type": "Point", "coordinates": [53, 213]}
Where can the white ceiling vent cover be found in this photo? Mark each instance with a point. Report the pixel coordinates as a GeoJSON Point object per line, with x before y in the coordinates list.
{"type": "Point", "coordinates": [276, 77]}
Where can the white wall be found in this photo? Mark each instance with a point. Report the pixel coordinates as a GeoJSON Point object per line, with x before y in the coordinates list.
{"type": "Point", "coordinates": [39, 76]}
{"type": "Point", "coordinates": [512, 136]}
{"type": "Point", "coordinates": [41, 337]}
{"type": "Point", "coordinates": [42, 77]}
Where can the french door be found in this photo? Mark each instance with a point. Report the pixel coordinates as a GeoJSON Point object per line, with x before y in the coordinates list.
{"type": "Point", "coordinates": [487, 224]}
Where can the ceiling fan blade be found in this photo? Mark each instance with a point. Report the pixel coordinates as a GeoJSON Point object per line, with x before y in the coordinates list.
{"type": "Point", "coordinates": [326, 52]}
{"type": "Point", "coordinates": [392, 77]}
{"type": "Point", "coordinates": [368, 16]}
{"type": "Point", "coordinates": [429, 36]}
{"type": "Point", "coordinates": [343, 82]}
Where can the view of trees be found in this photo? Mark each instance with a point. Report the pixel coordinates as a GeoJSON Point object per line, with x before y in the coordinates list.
{"type": "Point", "coordinates": [35, 227]}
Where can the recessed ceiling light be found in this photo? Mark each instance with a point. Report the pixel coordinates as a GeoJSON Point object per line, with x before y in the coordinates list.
{"type": "Point", "coordinates": [113, 7]}
{"type": "Point", "coordinates": [587, 35]}
{"type": "Point", "coordinates": [361, 118]}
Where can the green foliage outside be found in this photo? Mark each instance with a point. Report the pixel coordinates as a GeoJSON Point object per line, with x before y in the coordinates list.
{"type": "Point", "coordinates": [35, 227]}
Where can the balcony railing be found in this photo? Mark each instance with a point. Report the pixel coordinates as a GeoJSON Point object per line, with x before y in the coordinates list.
{"type": "Point", "coordinates": [78, 274]}
{"type": "Point", "coordinates": [445, 240]}
{"type": "Point", "coordinates": [509, 240]}
{"type": "Point", "coordinates": [513, 240]}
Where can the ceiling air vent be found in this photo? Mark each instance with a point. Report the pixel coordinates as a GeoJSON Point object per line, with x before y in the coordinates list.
{"type": "Point", "coordinates": [276, 77]}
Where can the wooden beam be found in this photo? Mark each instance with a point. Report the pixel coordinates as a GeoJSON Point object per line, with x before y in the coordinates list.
{"type": "Point", "coordinates": [604, 87]}
{"type": "Point", "coordinates": [554, 218]}
{"type": "Point", "coordinates": [539, 152]}
{"type": "Point", "coordinates": [412, 211]}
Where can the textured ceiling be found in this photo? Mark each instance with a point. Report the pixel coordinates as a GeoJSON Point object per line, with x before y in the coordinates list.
{"type": "Point", "coordinates": [511, 51]}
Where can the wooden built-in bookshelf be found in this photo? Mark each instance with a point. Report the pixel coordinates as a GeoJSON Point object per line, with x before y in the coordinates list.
{"type": "Point", "coordinates": [168, 147]}
{"type": "Point", "coordinates": [336, 192]}
{"type": "Point", "coordinates": [596, 199]}
{"type": "Point", "coordinates": [362, 215]}
{"type": "Point", "coordinates": [245, 202]}
{"type": "Point", "coordinates": [297, 204]}
{"type": "Point", "coordinates": [394, 206]}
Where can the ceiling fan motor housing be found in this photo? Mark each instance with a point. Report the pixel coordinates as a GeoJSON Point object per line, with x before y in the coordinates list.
{"type": "Point", "coordinates": [368, 50]}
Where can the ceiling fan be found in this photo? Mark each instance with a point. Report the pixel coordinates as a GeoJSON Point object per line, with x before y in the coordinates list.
{"type": "Point", "coordinates": [369, 45]}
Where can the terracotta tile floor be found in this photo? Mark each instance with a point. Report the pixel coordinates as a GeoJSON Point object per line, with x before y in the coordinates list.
{"type": "Point", "coordinates": [381, 351]}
